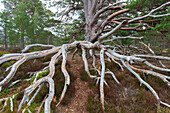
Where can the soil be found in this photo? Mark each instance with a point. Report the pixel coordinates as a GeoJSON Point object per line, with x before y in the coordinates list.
{"type": "Point", "coordinates": [79, 101]}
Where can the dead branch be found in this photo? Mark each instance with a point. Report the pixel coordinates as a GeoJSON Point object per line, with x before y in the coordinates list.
{"type": "Point", "coordinates": [150, 13]}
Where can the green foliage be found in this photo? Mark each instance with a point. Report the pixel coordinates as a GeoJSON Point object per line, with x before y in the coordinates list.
{"type": "Point", "coordinates": [26, 19]}
{"type": "Point", "coordinates": [144, 5]}
{"type": "Point", "coordinates": [163, 25]}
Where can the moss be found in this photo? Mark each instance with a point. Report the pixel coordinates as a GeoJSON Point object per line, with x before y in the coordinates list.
{"type": "Point", "coordinates": [32, 79]}
{"type": "Point", "coordinates": [44, 73]}
{"type": "Point", "coordinates": [40, 75]}
{"type": "Point", "coordinates": [4, 52]}
{"type": "Point", "coordinates": [5, 65]}
{"type": "Point", "coordinates": [46, 59]}
{"type": "Point", "coordinates": [12, 62]}
{"type": "Point", "coordinates": [84, 76]}
{"type": "Point", "coordinates": [35, 49]}
{"type": "Point", "coordinates": [92, 84]}
{"type": "Point", "coordinates": [93, 72]}
{"type": "Point", "coordinates": [1, 94]}
{"type": "Point", "coordinates": [15, 103]}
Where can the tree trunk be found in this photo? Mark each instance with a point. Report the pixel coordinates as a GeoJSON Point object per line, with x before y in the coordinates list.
{"type": "Point", "coordinates": [5, 38]}
{"type": "Point", "coordinates": [89, 11]}
{"type": "Point", "coordinates": [22, 39]}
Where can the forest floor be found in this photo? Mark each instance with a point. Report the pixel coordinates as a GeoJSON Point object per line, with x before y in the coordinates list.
{"type": "Point", "coordinates": [83, 96]}
{"type": "Point", "coordinates": [80, 100]}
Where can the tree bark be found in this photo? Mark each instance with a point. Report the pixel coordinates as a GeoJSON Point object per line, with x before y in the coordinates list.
{"type": "Point", "coordinates": [5, 37]}
{"type": "Point", "coordinates": [22, 38]}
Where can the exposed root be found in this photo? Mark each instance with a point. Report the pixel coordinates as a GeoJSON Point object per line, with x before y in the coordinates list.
{"type": "Point", "coordinates": [61, 53]}
{"type": "Point", "coordinates": [161, 76]}
{"type": "Point", "coordinates": [34, 45]}
{"type": "Point", "coordinates": [86, 63]}
{"type": "Point", "coordinates": [114, 77]}
{"type": "Point", "coordinates": [145, 83]}
{"type": "Point", "coordinates": [102, 77]}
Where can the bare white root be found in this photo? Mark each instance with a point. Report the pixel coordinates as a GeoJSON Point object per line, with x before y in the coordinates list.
{"type": "Point", "coordinates": [145, 83]}
{"type": "Point", "coordinates": [34, 45]}
{"type": "Point", "coordinates": [114, 77]}
{"type": "Point", "coordinates": [86, 63]}
{"type": "Point", "coordinates": [60, 53]}
{"type": "Point", "coordinates": [102, 77]}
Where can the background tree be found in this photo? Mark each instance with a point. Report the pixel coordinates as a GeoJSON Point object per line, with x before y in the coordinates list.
{"type": "Point", "coordinates": [27, 21]}
{"type": "Point", "coordinates": [5, 22]}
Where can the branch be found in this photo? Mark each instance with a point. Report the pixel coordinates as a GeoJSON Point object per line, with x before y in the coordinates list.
{"type": "Point", "coordinates": [112, 57]}
{"type": "Point", "coordinates": [13, 71]}
{"type": "Point", "coordinates": [31, 88]}
{"type": "Point", "coordinates": [23, 57]}
{"type": "Point", "coordinates": [112, 16]}
{"type": "Point", "coordinates": [112, 31]}
{"type": "Point", "coordinates": [135, 28]}
{"type": "Point", "coordinates": [153, 53]}
{"type": "Point", "coordinates": [98, 13]}
{"type": "Point", "coordinates": [127, 37]}
{"type": "Point", "coordinates": [61, 52]}
{"type": "Point", "coordinates": [73, 8]}
{"type": "Point", "coordinates": [150, 13]}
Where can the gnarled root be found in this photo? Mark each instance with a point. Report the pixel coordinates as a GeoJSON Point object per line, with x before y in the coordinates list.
{"type": "Point", "coordinates": [60, 53]}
